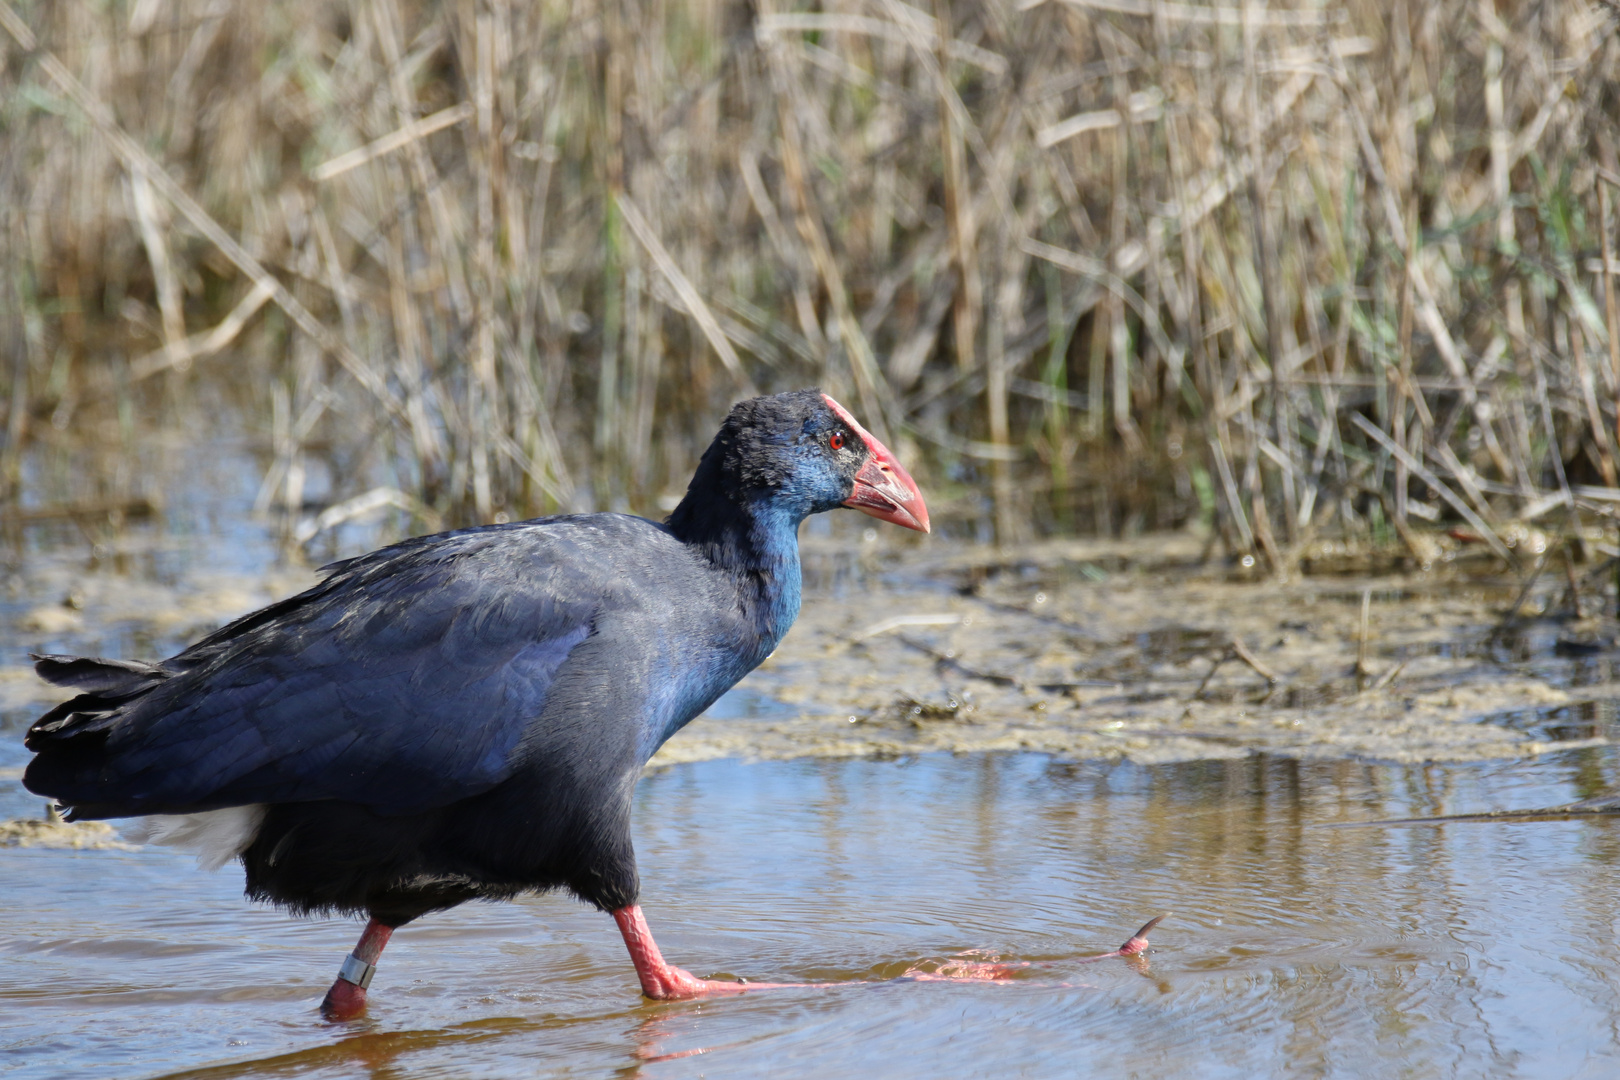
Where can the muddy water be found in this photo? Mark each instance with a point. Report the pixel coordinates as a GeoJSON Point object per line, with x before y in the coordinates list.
{"type": "Point", "coordinates": [954, 756]}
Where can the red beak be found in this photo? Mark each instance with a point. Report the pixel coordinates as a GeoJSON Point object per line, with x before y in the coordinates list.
{"type": "Point", "coordinates": [883, 488]}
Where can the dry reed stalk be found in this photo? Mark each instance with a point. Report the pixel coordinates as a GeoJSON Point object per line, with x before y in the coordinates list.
{"type": "Point", "coordinates": [958, 206]}
{"type": "Point", "coordinates": [1601, 439]}
{"type": "Point", "coordinates": [1403, 347]}
{"type": "Point", "coordinates": [394, 140]}
{"type": "Point", "coordinates": [150, 217]}
{"type": "Point", "coordinates": [1611, 319]}
{"type": "Point", "coordinates": [1264, 247]}
{"type": "Point", "coordinates": [200, 346]}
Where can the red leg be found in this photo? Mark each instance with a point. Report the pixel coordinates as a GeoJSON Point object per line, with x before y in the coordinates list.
{"type": "Point", "coordinates": [664, 981]}
{"type": "Point", "coordinates": [347, 998]}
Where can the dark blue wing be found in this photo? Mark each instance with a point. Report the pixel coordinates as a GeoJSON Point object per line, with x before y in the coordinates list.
{"type": "Point", "coordinates": [403, 682]}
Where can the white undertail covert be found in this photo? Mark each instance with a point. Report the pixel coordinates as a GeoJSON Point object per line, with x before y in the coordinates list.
{"type": "Point", "coordinates": [214, 836]}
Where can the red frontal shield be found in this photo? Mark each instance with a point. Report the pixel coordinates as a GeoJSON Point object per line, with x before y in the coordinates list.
{"type": "Point", "coordinates": [883, 488]}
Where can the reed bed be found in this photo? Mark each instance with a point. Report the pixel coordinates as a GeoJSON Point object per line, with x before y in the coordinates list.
{"type": "Point", "coordinates": [1097, 265]}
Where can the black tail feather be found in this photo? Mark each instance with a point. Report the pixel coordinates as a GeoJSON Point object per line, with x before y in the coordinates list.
{"type": "Point", "coordinates": [104, 686]}
{"type": "Point", "coordinates": [88, 675]}
{"type": "Point", "coordinates": [82, 715]}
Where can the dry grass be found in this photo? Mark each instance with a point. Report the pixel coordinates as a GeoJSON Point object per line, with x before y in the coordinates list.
{"type": "Point", "coordinates": [1105, 264]}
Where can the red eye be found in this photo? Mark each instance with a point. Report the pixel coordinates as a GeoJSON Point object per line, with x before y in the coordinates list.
{"type": "Point", "coordinates": [837, 441]}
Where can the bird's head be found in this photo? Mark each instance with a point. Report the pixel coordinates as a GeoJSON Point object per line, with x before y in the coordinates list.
{"type": "Point", "coordinates": [802, 453]}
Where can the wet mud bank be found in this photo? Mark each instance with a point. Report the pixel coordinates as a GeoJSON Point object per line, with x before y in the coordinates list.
{"type": "Point", "coordinates": [1141, 650]}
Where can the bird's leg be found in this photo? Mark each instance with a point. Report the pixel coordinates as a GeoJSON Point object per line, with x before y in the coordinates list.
{"type": "Point", "coordinates": [664, 981]}
{"type": "Point", "coordinates": [347, 998]}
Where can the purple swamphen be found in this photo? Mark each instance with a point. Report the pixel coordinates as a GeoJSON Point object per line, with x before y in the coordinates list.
{"type": "Point", "coordinates": [464, 716]}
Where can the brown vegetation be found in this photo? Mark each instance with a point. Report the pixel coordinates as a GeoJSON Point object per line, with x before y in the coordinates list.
{"type": "Point", "coordinates": [1105, 264]}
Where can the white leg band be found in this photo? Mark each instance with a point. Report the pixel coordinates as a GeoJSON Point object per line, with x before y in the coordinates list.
{"type": "Point", "coordinates": [357, 971]}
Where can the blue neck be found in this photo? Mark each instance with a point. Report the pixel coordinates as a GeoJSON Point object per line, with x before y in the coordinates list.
{"type": "Point", "coordinates": [775, 543]}
{"type": "Point", "coordinates": [758, 550]}
{"type": "Point", "coordinates": [759, 545]}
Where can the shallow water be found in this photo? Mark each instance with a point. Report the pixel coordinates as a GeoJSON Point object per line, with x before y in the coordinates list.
{"type": "Point", "coordinates": [1293, 948]}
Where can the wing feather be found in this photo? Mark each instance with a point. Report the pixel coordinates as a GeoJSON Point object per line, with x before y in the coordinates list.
{"type": "Point", "coordinates": [401, 683]}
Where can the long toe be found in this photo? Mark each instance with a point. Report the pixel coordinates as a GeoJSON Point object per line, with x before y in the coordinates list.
{"type": "Point", "coordinates": [676, 984]}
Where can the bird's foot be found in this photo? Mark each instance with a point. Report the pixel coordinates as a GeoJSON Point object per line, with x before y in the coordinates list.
{"type": "Point", "coordinates": [663, 981]}
{"type": "Point", "coordinates": [675, 984]}
{"type": "Point", "coordinates": [344, 1001]}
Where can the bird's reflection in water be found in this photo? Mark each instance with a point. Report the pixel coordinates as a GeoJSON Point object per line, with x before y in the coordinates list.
{"type": "Point", "coordinates": [360, 1046]}
{"type": "Point", "coordinates": [655, 1033]}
